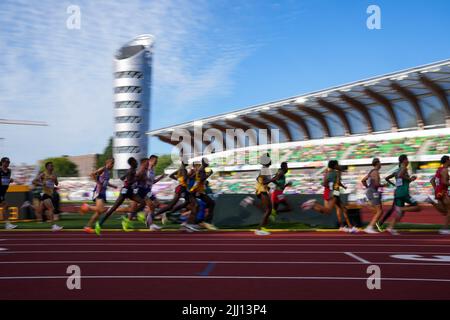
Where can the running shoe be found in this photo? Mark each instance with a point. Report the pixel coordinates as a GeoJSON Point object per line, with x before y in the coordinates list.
{"type": "Point", "coordinates": [369, 229]}
{"type": "Point", "coordinates": [126, 224]}
{"type": "Point", "coordinates": [98, 228]}
{"type": "Point", "coordinates": [247, 201]}
{"type": "Point", "coordinates": [154, 227]}
{"type": "Point", "coordinates": [308, 204]}
{"type": "Point", "coordinates": [55, 227]}
{"type": "Point", "coordinates": [429, 200]}
{"type": "Point", "coordinates": [261, 232]}
{"type": "Point", "coordinates": [378, 225]}
{"type": "Point", "coordinates": [190, 227]}
{"type": "Point", "coordinates": [88, 230]}
{"type": "Point", "coordinates": [208, 226]}
{"type": "Point", "coordinates": [444, 231]}
{"type": "Point", "coordinates": [353, 230]}
{"type": "Point", "coordinates": [10, 226]}
{"type": "Point", "coordinates": [141, 217]}
{"type": "Point", "coordinates": [392, 231]}
{"type": "Point", "coordinates": [344, 229]}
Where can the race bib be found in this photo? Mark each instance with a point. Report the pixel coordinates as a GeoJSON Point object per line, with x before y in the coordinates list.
{"type": "Point", "coordinates": [281, 197]}
{"type": "Point", "coordinates": [336, 193]}
{"type": "Point", "coordinates": [124, 191]}
{"type": "Point", "coordinates": [376, 195]}
{"type": "Point", "coordinates": [398, 182]}
{"type": "Point", "coordinates": [330, 185]}
{"type": "Point", "coordinates": [5, 181]}
{"type": "Point", "coordinates": [49, 183]}
{"type": "Point", "coordinates": [135, 190]}
{"type": "Point", "coordinates": [149, 194]}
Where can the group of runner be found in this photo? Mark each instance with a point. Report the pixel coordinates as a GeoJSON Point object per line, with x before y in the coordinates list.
{"type": "Point", "coordinates": [332, 184]}
{"type": "Point", "coordinates": [137, 188]}
{"type": "Point", "coordinates": [191, 195]}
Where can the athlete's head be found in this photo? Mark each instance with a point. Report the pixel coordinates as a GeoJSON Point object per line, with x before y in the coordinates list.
{"type": "Point", "coordinates": [445, 160]}
{"type": "Point", "coordinates": [403, 159]}
{"type": "Point", "coordinates": [265, 160]}
{"type": "Point", "coordinates": [376, 163]}
{"type": "Point", "coordinates": [132, 162]}
{"type": "Point", "coordinates": [152, 160]}
{"type": "Point", "coordinates": [205, 162]}
{"type": "Point", "coordinates": [144, 163]}
{"type": "Point", "coordinates": [4, 162]}
{"type": "Point", "coordinates": [284, 166]}
{"type": "Point", "coordinates": [49, 166]}
{"type": "Point", "coordinates": [333, 164]}
{"type": "Point", "coordinates": [109, 164]}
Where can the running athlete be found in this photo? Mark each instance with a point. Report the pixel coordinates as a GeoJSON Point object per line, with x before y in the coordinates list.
{"type": "Point", "coordinates": [440, 182]}
{"type": "Point", "coordinates": [48, 180]}
{"type": "Point", "coordinates": [263, 180]}
{"type": "Point", "coordinates": [128, 191]}
{"type": "Point", "coordinates": [198, 190]}
{"type": "Point", "coordinates": [372, 182]}
{"type": "Point", "coordinates": [181, 191]}
{"type": "Point", "coordinates": [101, 177]}
{"type": "Point", "coordinates": [332, 183]}
{"type": "Point", "coordinates": [5, 180]}
{"type": "Point", "coordinates": [145, 191]}
{"type": "Point", "coordinates": [277, 196]}
{"type": "Point", "coordinates": [401, 194]}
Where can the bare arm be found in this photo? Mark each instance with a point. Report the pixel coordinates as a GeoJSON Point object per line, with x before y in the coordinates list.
{"type": "Point", "coordinates": [364, 181]}
{"type": "Point", "coordinates": [388, 179]}
{"type": "Point", "coordinates": [38, 180]}
{"type": "Point", "coordinates": [159, 178]}
{"type": "Point", "coordinates": [96, 173]}
{"type": "Point", "coordinates": [173, 175]}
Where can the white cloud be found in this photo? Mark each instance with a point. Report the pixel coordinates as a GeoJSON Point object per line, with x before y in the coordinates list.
{"type": "Point", "coordinates": [64, 77]}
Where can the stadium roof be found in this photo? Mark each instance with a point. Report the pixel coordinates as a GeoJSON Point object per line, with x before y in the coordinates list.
{"type": "Point", "coordinates": [416, 98]}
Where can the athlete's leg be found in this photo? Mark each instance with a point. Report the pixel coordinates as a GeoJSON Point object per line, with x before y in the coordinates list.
{"type": "Point", "coordinates": [111, 210]}
{"type": "Point", "coordinates": [267, 206]}
{"type": "Point", "coordinates": [171, 205]}
{"type": "Point", "coordinates": [99, 209]}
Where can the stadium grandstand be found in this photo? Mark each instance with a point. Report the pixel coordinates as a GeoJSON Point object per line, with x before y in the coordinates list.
{"type": "Point", "coordinates": [405, 112]}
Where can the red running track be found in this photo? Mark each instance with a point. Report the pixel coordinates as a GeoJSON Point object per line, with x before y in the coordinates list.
{"type": "Point", "coordinates": [223, 265]}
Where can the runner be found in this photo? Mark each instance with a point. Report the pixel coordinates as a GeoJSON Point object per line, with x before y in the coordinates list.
{"type": "Point", "coordinates": [128, 191]}
{"type": "Point", "coordinates": [372, 182]}
{"type": "Point", "coordinates": [181, 191]}
{"type": "Point", "coordinates": [198, 190]}
{"type": "Point", "coordinates": [5, 180]}
{"type": "Point", "coordinates": [401, 194]}
{"type": "Point", "coordinates": [145, 191]}
{"type": "Point", "coordinates": [48, 180]}
{"type": "Point", "coordinates": [277, 195]}
{"type": "Point", "coordinates": [440, 182]}
{"type": "Point", "coordinates": [262, 192]}
{"type": "Point", "coordinates": [101, 177]}
{"type": "Point", "coordinates": [332, 183]}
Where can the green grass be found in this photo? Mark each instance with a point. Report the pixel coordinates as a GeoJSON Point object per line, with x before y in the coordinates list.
{"type": "Point", "coordinates": [77, 221]}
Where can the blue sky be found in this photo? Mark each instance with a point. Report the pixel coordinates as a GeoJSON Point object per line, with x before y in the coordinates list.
{"type": "Point", "coordinates": [210, 57]}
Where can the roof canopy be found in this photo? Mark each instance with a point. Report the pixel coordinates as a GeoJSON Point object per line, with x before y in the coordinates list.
{"type": "Point", "coordinates": [417, 98]}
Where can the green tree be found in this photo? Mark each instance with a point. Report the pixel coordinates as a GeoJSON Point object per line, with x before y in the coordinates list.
{"type": "Point", "coordinates": [107, 154]}
{"type": "Point", "coordinates": [63, 166]}
{"type": "Point", "coordinates": [164, 161]}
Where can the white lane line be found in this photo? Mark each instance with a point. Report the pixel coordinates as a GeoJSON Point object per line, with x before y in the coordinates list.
{"type": "Point", "coordinates": [209, 261]}
{"type": "Point", "coordinates": [3, 249]}
{"type": "Point", "coordinates": [354, 256]}
{"type": "Point", "coordinates": [212, 251]}
{"type": "Point", "coordinates": [219, 277]}
{"type": "Point", "coordinates": [134, 244]}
